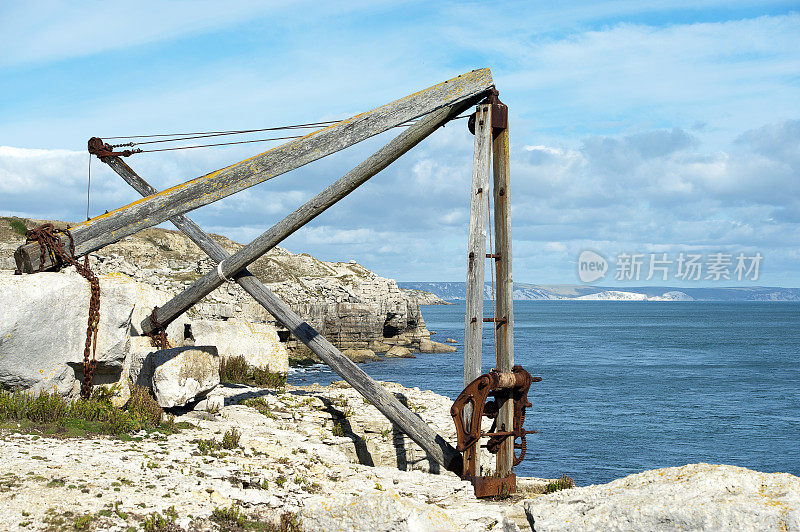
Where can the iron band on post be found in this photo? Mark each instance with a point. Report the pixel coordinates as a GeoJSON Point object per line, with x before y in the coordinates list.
{"type": "Point", "coordinates": [222, 275]}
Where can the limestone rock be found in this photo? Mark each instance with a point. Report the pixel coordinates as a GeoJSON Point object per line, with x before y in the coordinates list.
{"type": "Point", "coordinates": [384, 511]}
{"type": "Point", "coordinates": [425, 298]}
{"type": "Point", "coordinates": [399, 351]}
{"type": "Point", "coordinates": [451, 341]}
{"type": "Point", "coordinates": [345, 302]}
{"type": "Point", "coordinates": [43, 329]}
{"type": "Point", "coordinates": [257, 342]}
{"type": "Point", "coordinates": [692, 497]}
{"type": "Point", "coordinates": [360, 355]}
{"type": "Point", "coordinates": [379, 347]}
{"type": "Point", "coordinates": [182, 374]}
{"type": "Point", "coordinates": [429, 346]}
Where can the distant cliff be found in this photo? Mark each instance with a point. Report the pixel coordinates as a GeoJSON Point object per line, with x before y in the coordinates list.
{"type": "Point", "coordinates": [453, 291]}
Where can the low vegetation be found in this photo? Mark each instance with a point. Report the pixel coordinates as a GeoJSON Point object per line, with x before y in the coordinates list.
{"type": "Point", "coordinates": [234, 519]}
{"type": "Point", "coordinates": [562, 483]}
{"type": "Point", "coordinates": [237, 370]}
{"type": "Point", "coordinates": [261, 405]}
{"type": "Point", "coordinates": [50, 413]}
{"type": "Point", "coordinates": [155, 522]}
{"type": "Point", "coordinates": [212, 447]}
{"type": "Point", "coordinates": [18, 225]}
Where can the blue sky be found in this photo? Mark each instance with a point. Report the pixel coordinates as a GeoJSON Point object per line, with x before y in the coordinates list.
{"type": "Point", "coordinates": [636, 127]}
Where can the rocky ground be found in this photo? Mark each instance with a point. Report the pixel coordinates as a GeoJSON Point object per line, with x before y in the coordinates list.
{"type": "Point", "coordinates": [692, 497]}
{"type": "Point", "coordinates": [320, 454]}
{"type": "Point", "coordinates": [321, 458]}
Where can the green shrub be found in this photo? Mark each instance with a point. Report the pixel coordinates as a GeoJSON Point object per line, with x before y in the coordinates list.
{"type": "Point", "coordinates": [230, 440]}
{"type": "Point", "coordinates": [228, 516]}
{"type": "Point", "coordinates": [233, 369]}
{"type": "Point", "coordinates": [83, 522]}
{"type": "Point", "coordinates": [563, 483]}
{"type": "Point", "coordinates": [93, 415]}
{"type": "Point", "coordinates": [155, 522]}
{"type": "Point", "coordinates": [14, 406]}
{"type": "Point", "coordinates": [143, 407]}
{"type": "Point", "coordinates": [261, 405]}
{"type": "Point", "coordinates": [237, 370]}
{"type": "Point", "coordinates": [289, 522]}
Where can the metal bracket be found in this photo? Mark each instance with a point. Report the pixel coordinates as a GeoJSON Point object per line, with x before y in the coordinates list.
{"type": "Point", "coordinates": [469, 409]}
{"type": "Point", "coordinates": [97, 147]}
{"type": "Point", "coordinates": [499, 114]}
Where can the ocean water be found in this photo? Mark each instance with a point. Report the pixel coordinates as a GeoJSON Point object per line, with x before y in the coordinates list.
{"type": "Point", "coordinates": [630, 386]}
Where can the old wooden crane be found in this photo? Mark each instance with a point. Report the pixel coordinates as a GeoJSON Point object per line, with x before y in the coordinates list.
{"type": "Point", "coordinates": [429, 109]}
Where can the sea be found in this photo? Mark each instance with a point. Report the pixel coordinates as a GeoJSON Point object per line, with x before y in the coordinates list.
{"type": "Point", "coordinates": [629, 386]}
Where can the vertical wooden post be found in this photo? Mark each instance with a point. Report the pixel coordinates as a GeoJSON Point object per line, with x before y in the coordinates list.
{"type": "Point", "coordinates": [504, 292]}
{"type": "Point", "coordinates": [478, 216]}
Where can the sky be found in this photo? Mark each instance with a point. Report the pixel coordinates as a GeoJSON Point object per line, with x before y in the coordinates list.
{"type": "Point", "coordinates": [655, 130]}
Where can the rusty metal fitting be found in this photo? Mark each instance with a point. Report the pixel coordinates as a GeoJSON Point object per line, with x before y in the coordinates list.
{"type": "Point", "coordinates": [509, 380]}
{"type": "Point", "coordinates": [501, 387]}
{"type": "Point", "coordinates": [97, 147]}
{"type": "Point", "coordinates": [499, 114]}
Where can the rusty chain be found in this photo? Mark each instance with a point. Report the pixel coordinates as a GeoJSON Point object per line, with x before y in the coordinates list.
{"type": "Point", "coordinates": [50, 243]}
{"type": "Point", "coordinates": [158, 337]}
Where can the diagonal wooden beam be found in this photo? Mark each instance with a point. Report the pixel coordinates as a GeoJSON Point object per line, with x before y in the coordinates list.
{"type": "Point", "coordinates": [156, 208]}
{"type": "Point", "coordinates": [437, 447]}
{"type": "Point", "coordinates": [303, 214]}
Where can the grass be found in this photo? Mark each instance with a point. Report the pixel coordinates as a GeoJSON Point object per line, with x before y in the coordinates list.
{"type": "Point", "coordinates": [563, 483]}
{"type": "Point", "coordinates": [18, 225]}
{"type": "Point", "coordinates": [50, 413]}
{"type": "Point", "coordinates": [261, 405]}
{"type": "Point", "coordinates": [230, 440]}
{"type": "Point", "coordinates": [229, 516]}
{"type": "Point", "coordinates": [237, 370]}
{"type": "Point", "coordinates": [82, 522]}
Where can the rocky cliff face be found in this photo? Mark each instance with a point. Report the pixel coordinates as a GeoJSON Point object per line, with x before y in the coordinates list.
{"type": "Point", "coordinates": [350, 305]}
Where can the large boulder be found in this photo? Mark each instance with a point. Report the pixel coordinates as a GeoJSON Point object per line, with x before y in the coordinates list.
{"type": "Point", "coordinates": [399, 352]}
{"type": "Point", "coordinates": [691, 497]}
{"type": "Point", "coordinates": [257, 342]}
{"type": "Point", "coordinates": [43, 328]}
{"type": "Point", "coordinates": [360, 355]}
{"type": "Point", "coordinates": [182, 374]}
{"type": "Point", "coordinates": [429, 346]}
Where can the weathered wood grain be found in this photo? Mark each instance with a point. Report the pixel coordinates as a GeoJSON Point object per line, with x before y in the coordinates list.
{"type": "Point", "coordinates": [307, 212]}
{"type": "Point", "coordinates": [476, 248]}
{"type": "Point", "coordinates": [437, 447]}
{"type": "Point", "coordinates": [476, 262]}
{"type": "Point", "coordinates": [504, 291]}
{"type": "Point", "coordinates": [156, 208]}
